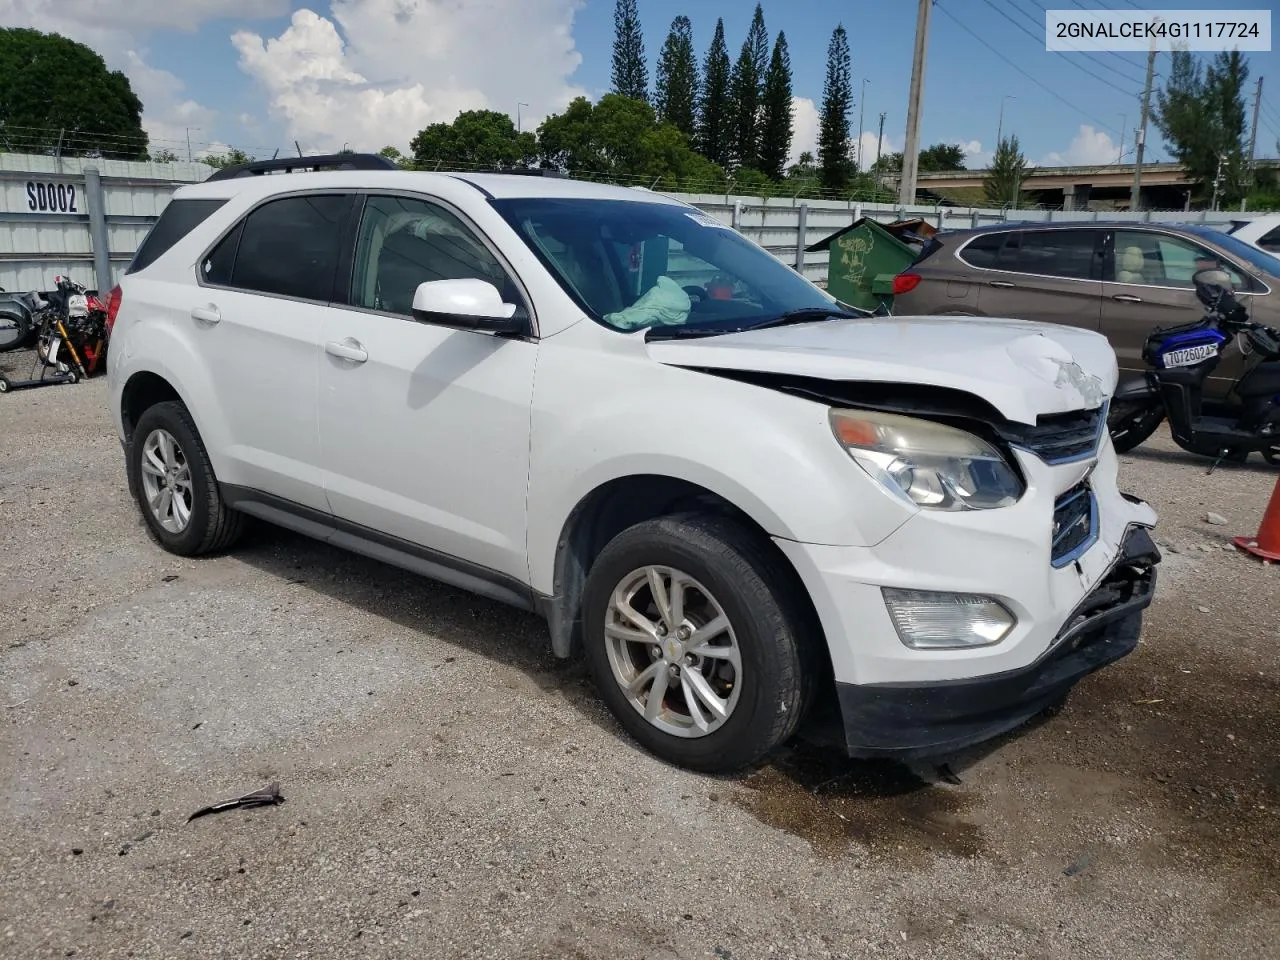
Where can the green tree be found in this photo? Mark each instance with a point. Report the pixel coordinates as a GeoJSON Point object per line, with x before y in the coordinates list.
{"type": "Point", "coordinates": [745, 88]}
{"type": "Point", "coordinates": [51, 86]}
{"type": "Point", "coordinates": [677, 79]}
{"type": "Point", "coordinates": [715, 123]}
{"type": "Point", "coordinates": [941, 156]}
{"type": "Point", "coordinates": [1008, 171]}
{"type": "Point", "coordinates": [837, 102]}
{"type": "Point", "coordinates": [164, 156]}
{"type": "Point", "coordinates": [233, 156]}
{"type": "Point", "coordinates": [630, 72]}
{"type": "Point", "coordinates": [1201, 114]}
{"type": "Point", "coordinates": [484, 139]}
{"type": "Point", "coordinates": [777, 120]}
{"type": "Point", "coordinates": [620, 139]}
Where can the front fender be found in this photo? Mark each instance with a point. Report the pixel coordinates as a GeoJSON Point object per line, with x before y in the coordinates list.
{"type": "Point", "coordinates": [600, 417]}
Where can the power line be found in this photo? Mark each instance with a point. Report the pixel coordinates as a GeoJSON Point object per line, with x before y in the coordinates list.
{"type": "Point", "coordinates": [963, 26]}
{"type": "Point", "coordinates": [1091, 56]}
{"type": "Point", "coordinates": [1103, 80]}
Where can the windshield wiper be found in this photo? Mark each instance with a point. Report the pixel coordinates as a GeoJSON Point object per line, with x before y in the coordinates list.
{"type": "Point", "coordinates": [803, 315]}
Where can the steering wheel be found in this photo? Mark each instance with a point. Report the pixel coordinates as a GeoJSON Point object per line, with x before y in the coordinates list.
{"type": "Point", "coordinates": [694, 290]}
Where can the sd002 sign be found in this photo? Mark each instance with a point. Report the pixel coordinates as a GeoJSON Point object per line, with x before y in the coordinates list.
{"type": "Point", "coordinates": [52, 197]}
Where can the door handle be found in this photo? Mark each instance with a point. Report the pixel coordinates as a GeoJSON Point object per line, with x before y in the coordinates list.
{"type": "Point", "coordinates": [348, 349]}
{"type": "Point", "coordinates": [1126, 298]}
{"type": "Point", "coordinates": [206, 314]}
{"type": "Point", "coordinates": [999, 283]}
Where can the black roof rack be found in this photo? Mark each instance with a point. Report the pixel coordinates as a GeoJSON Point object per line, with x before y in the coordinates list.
{"type": "Point", "coordinates": [332, 161]}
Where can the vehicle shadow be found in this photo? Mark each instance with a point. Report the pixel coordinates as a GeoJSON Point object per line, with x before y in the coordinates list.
{"type": "Point", "coordinates": [809, 787]}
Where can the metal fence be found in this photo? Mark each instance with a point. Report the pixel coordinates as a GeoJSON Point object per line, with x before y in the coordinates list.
{"type": "Point", "coordinates": [59, 216]}
{"type": "Point", "coordinates": [54, 208]}
{"type": "Point", "coordinates": [785, 227]}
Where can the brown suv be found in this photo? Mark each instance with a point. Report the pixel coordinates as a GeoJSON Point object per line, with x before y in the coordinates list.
{"type": "Point", "coordinates": [1121, 279]}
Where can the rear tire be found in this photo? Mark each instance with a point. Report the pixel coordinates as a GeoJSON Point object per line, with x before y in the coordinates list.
{"type": "Point", "coordinates": [711, 713]}
{"type": "Point", "coordinates": [173, 481]}
{"type": "Point", "coordinates": [1132, 424]}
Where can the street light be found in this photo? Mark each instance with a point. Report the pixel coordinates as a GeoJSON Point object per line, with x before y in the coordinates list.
{"type": "Point", "coordinates": [1000, 125]}
{"type": "Point", "coordinates": [189, 129]}
{"type": "Point", "coordinates": [518, 106]}
{"type": "Point", "coordinates": [862, 104]}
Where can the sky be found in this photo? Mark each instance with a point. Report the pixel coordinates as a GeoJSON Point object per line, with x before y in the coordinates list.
{"type": "Point", "coordinates": [262, 74]}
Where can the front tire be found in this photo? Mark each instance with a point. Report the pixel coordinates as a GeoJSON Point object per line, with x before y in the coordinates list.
{"type": "Point", "coordinates": [1132, 424]}
{"type": "Point", "coordinates": [697, 643]}
{"type": "Point", "coordinates": [173, 481]}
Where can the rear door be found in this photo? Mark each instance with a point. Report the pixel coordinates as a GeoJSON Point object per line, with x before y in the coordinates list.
{"type": "Point", "coordinates": [1051, 275]}
{"type": "Point", "coordinates": [1148, 284]}
{"type": "Point", "coordinates": [256, 321]}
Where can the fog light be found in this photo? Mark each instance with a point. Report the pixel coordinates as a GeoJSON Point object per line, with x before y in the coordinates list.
{"type": "Point", "coordinates": [926, 620]}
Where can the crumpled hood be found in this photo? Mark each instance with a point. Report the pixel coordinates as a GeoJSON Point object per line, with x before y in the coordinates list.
{"type": "Point", "coordinates": [1022, 368]}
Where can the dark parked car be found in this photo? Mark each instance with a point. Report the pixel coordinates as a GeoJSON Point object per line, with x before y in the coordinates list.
{"type": "Point", "coordinates": [1121, 279]}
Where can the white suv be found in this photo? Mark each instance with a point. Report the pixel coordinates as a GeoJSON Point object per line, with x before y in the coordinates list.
{"type": "Point", "coordinates": [754, 512]}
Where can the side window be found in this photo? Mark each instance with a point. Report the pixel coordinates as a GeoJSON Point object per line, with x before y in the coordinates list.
{"type": "Point", "coordinates": [1056, 253]}
{"type": "Point", "coordinates": [983, 250]}
{"type": "Point", "coordinates": [1160, 260]}
{"type": "Point", "coordinates": [287, 247]}
{"type": "Point", "coordinates": [217, 265]}
{"type": "Point", "coordinates": [1271, 241]}
{"type": "Point", "coordinates": [404, 241]}
{"type": "Point", "coordinates": [177, 220]}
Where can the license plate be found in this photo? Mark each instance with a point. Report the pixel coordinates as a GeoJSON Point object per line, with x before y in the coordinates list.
{"type": "Point", "coordinates": [1189, 356]}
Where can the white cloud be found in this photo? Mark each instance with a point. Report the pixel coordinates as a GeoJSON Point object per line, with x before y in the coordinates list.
{"type": "Point", "coordinates": [116, 29]}
{"type": "Point", "coordinates": [380, 70]}
{"type": "Point", "coordinates": [804, 135]}
{"type": "Point", "coordinates": [1089, 148]}
{"type": "Point", "coordinates": [75, 18]}
{"type": "Point", "coordinates": [870, 145]}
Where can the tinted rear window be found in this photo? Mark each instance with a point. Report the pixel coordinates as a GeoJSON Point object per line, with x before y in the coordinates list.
{"type": "Point", "coordinates": [983, 249]}
{"type": "Point", "coordinates": [1056, 253]}
{"type": "Point", "coordinates": [289, 247]}
{"type": "Point", "coordinates": [178, 219]}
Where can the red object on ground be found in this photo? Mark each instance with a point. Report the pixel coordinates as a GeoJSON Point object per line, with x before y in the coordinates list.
{"type": "Point", "coordinates": [1266, 545]}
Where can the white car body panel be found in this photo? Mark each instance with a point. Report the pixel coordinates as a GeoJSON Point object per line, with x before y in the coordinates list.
{"type": "Point", "coordinates": [481, 448]}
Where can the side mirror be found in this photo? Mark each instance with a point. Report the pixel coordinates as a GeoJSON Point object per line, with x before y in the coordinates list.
{"type": "Point", "coordinates": [467, 303]}
{"type": "Point", "coordinates": [1213, 277]}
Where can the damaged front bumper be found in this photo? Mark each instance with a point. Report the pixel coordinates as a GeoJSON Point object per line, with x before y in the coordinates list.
{"type": "Point", "coordinates": [915, 719]}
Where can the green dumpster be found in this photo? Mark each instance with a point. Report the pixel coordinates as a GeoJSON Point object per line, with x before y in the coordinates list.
{"type": "Point", "coordinates": [864, 257]}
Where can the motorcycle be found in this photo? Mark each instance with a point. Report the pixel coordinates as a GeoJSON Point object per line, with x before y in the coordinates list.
{"type": "Point", "coordinates": [76, 320]}
{"type": "Point", "coordinates": [1181, 358]}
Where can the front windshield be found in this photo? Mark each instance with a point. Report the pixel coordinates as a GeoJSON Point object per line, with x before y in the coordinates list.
{"type": "Point", "coordinates": [635, 265]}
{"type": "Point", "coordinates": [1258, 259]}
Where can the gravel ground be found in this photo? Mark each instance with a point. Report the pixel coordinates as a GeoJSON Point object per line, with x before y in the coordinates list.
{"type": "Point", "coordinates": [452, 790]}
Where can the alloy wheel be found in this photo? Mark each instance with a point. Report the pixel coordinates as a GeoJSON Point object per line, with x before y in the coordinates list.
{"type": "Point", "coordinates": [166, 481]}
{"type": "Point", "coordinates": [673, 651]}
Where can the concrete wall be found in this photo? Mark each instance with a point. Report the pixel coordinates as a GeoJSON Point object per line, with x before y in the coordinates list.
{"type": "Point", "coordinates": [44, 216]}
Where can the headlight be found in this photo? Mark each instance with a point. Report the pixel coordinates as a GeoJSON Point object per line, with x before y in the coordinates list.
{"type": "Point", "coordinates": [928, 464]}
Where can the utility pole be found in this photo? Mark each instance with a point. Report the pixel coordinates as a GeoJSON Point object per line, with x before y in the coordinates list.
{"type": "Point", "coordinates": [880, 140]}
{"type": "Point", "coordinates": [1253, 133]}
{"type": "Point", "coordinates": [1000, 124]}
{"type": "Point", "coordinates": [862, 106]}
{"type": "Point", "coordinates": [911, 149]}
{"type": "Point", "coordinates": [1217, 181]}
{"type": "Point", "coordinates": [518, 106]}
{"type": "Point", "coordinates": [1140, 138]}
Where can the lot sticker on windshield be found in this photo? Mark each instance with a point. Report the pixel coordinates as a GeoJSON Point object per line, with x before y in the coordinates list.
{"type": "Point", "coordinates": [707, 221]}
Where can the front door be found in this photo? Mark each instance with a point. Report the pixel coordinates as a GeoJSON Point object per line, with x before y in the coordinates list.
{"type": "Point", "coordinates": [1053, 275]}
{"type": "Point", "coordinates": [424, 430]}
{"type": "Point", "coordinates": [255, 323]}
{"type": "Point", "coordinates": [1149, 285]}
